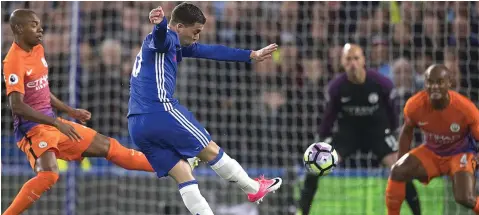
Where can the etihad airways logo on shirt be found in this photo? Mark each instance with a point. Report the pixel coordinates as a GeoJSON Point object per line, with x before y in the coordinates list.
{"type": "Point", "coordinates": [39, 83]}
{"type": "Point", "coordinates": [442, 139]}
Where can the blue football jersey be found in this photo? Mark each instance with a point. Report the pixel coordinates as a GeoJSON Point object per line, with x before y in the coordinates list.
{"type": "Point", "coordinates": [153, 79]}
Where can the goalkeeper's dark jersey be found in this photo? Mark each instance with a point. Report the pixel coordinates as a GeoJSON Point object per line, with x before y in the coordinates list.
{"type": "Point", "coordinates": [361, 107]}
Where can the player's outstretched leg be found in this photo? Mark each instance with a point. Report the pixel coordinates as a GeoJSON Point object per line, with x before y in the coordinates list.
{"type": "Point", "coordinates": [47, 175]}
{"type": "Point", "coordinates": [113, 151]}
{"type": "Point", "coordinates": [308, 192]}
{"type": "Point", "coordinates": [188, 188]}
{"type": "Point", "coordinates": [230, 170]}
{"type": "Point", "coordinates": [406, 169]}
{"type": "Point", "coordinates": [412, 198]}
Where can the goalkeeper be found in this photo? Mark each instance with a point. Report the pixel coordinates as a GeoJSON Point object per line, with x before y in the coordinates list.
{"type": "Point", "coordinates": [366, 120]}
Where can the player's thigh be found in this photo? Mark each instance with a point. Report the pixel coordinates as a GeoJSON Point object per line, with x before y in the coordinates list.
{"type": "Point", "coordinates": [186, 135]}
{"type": "Point", "coordinates": [38, 141]}
{"type": "Point", "coordinates": [47, 162]}
{"type": "Point", "coordinates": [463, 185]}
{"type": "Point", "coordinates": [420, 163]}
{"type": "Point", "coordinates": [71, 149]}
{"type": "Point", "coordinates": [162, 158]}
{"type": "Point", "coordinates": [150, 139]}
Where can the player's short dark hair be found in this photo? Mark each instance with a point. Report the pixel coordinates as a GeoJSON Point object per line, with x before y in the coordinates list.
{"type": "Point", "coordinates": [187, 14]}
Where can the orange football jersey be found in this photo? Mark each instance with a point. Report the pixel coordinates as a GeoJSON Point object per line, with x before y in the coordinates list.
{"type": "Point", "coordinates": [449, 131]}
{"type": "Point", "coordinates": [27, 73]}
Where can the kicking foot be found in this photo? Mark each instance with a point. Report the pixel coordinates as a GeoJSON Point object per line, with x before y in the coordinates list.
{"type": "Point", "coordinates": [265, 186]}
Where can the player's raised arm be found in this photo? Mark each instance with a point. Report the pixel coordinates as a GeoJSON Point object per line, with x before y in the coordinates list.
{"type": "Point", "coordinates": [331, 112]}
{"type": "Point", "coordinates": [224, 53]}
{"type": "Point", "coordinates": [159, 33]}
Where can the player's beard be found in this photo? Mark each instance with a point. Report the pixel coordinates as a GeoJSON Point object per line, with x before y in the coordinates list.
{"type": "Point", "coordinates": [438, 100]}
{"type": "Point", "coordinates": [356, 75]}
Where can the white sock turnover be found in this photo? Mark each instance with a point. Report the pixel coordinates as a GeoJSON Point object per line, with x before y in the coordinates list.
{"type": "Point", "coordinates": [194, 201]}
{"type": "Point", "coordinates": [229, 169]}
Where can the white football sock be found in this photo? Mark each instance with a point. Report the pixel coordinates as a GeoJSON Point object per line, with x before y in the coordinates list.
{"type": "Point", "coordinates": [229, 169]}
{"type": "Point", "coordinates": [194, 201]}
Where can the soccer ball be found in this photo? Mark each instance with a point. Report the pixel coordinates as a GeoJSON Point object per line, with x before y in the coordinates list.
{"type": "Point", "coordinates": [320, 158]}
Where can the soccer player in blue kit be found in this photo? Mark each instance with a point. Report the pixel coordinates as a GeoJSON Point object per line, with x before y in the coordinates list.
{"type": "Point", "coordinates": [165, 131]}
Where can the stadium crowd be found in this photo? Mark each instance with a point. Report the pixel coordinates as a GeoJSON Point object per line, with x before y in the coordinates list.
{"type": "Point", "coordinates": [258, 111]}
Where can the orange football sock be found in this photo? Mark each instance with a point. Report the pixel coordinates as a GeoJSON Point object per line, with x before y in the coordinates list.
{"type": "Point", "coordinates": [127, 158]}
{"type": "Point", "coordinates": [395, 194]}
{"type": "Point", "coordinates": [31, 191]}
{"type": "Point", "coordinates": [476, 208]}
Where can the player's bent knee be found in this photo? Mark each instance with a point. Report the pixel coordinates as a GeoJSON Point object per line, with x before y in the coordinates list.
{"type": "Point", "coordinates": [47, 162]}
{"type": "Point", "coordinates": [465, 200]}
{"type": "Point", "coordinates": [99, 147]}
{"type": "Point", "coordinates": [210, 152]}
{"type": "Point", "coordinates": [399, 173]}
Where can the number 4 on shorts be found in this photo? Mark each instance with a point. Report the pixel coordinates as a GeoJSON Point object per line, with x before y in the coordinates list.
{"type": "Point", "coordinates": [463, 161]}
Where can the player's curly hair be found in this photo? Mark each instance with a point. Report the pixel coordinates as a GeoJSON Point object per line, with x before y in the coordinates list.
{"type": "Point", "coordinates": [187, 14]}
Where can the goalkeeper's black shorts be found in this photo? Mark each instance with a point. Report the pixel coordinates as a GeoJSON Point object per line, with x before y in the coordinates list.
{"type": "Point", "coordinates": [381, 144]}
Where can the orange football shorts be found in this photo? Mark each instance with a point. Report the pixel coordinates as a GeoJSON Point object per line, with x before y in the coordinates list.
{"type": "Point", "coordinates": [42, 138]}
{"type": "Point", "coordinates": [436, 165]}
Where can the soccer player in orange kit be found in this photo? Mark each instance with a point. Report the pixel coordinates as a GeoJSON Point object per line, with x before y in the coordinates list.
{"type": "Point", "coordinates": [42, 136]}
{"type": "Point", "coordinates": [450, 123]}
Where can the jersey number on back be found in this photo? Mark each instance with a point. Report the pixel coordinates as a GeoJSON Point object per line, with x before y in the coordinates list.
{"type": "Point", "coordinates": [137, 65]}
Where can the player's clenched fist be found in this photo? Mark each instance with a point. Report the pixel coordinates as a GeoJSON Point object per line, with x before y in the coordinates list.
{"type": "Point", "coordinates": [156, 15]}
{"type": "Point", "coordinates": [80, 114]}
{"type": "Point", "coordinates": [263, 53]}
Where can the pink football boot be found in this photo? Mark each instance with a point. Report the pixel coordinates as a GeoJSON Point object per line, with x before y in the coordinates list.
{"type": "Point", "coordinates": [265, 186]}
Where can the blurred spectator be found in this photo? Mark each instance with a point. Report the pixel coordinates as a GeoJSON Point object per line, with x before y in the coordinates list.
{"type": "Point", "coordinates": [410, 11]}
{"type": "Point", "coordinates": [289, 21]}
{"type": "Point", "coordinates": [364, 27]}
{"type": "Point", "coordinates": [288, 64]}
{"type": "Point", "coordinates": [422, 60]}
{"type": "Point", "coordinates": [208, 34]}
{"type": "Point", "coordinates": [404, 82]}
{"type": "Point", "coordinates": [451, 61]}
{"type": "Point", "coordinates": [314, 71]}
{"type": "Point", "coordinates": [403, 73]}
{"type": "Point", "coordinates": [380, 56]}
{"type": "Point", "coordinates": [467, 45]}
{"type": "Point", "coordinates": [334, 60]}
{"type": "Point", "coordinates": [402, 40]}
{"type": "Point", "coordinates": [131, 34]}
{"type": "Point", "coordinates": [381, 21]}
{"type": "Point", "coordinates": [87, 61]}
{"type": "Point", "coordinates": [106, 91]}
{"type": "Point", "coordinates": [462, 33]}
{"type": "Point", "coordinates": [228, 24]}
{"type": "Point", "coordinates": [266, 68]}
